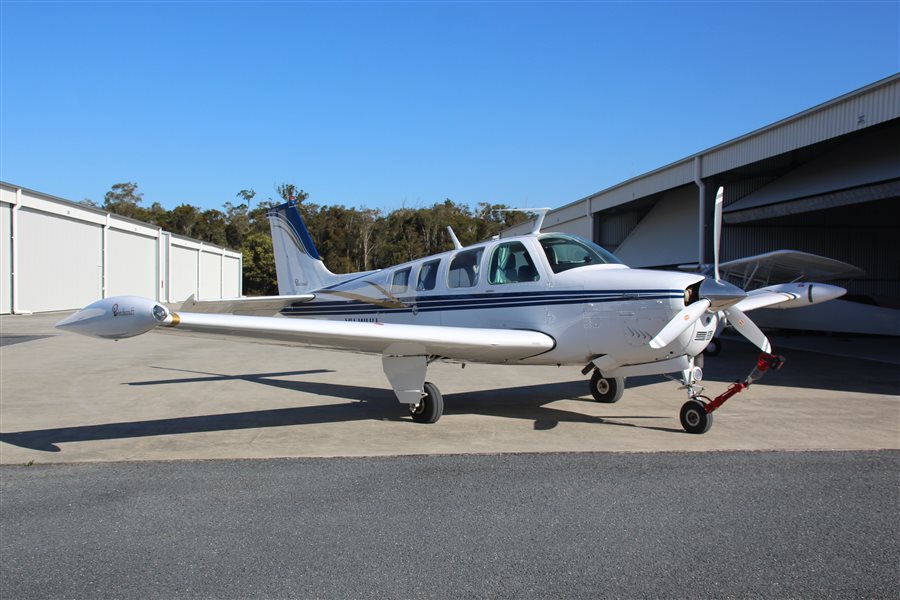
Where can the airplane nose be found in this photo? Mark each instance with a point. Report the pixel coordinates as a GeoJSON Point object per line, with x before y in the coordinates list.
{"type": "Point", "coordinates": [721, 294]}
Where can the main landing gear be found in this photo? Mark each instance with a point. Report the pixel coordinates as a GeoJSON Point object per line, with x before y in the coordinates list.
{"type": "Point", "coordinates": [608, 390]}
{"type": "Point", "coordinates": [430, 406]}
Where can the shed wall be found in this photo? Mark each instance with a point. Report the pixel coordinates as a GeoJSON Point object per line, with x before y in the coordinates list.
{"type": "Point", "coordinates": [60, 264]}
{"type": "Point", "coordinates": [5, 258]}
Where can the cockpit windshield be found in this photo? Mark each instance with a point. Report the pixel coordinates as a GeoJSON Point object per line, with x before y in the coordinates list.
{"type": "Point", "coordinates": [566, 252]}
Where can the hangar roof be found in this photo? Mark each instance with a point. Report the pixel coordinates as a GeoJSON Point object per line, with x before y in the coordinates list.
{"type": "Point", "coordinates": [866, 107]}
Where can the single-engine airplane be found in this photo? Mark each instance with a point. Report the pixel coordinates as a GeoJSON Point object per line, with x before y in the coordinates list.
{"type": "Point", "coordinates": [535, 299]}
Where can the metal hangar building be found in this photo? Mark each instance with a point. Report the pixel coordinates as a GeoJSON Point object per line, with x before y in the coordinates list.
{"type": "Point", "coordinates": [824, 181]}
{"type": "Point", "coordinates": [59, 255]}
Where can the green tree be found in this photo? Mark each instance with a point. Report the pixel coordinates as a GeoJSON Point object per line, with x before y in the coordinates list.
{"type": "Point", "coordinates": [289, 191]}
{"type": "Point", "coordinates": [125, 199]}
{"type": "Point", "coordinates": [211, 226]}
{"type": "Point", "coordinates": [259, 265]}
{"type": "Point", "coordinates": [182, 218]}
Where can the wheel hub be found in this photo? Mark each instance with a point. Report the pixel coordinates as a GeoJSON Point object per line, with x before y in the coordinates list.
{"type": "Point", "coordinates": [603, 386]}
{"type": "Point", "coordinates": [692, 417]}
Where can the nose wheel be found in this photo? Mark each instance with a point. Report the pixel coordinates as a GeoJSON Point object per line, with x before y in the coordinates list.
{"type": "Point", "coordinates": [694, 418]}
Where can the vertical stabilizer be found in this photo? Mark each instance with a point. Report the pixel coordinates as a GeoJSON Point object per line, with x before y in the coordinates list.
{"type": "Point", "coordinates": [297, 262]}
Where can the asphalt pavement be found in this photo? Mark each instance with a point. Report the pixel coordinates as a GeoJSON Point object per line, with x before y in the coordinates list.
{"type": "Point", "coordinates": [588, 525]}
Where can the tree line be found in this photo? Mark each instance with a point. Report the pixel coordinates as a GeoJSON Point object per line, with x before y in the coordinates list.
{"type": "Point", "coordinates": [348, 239]}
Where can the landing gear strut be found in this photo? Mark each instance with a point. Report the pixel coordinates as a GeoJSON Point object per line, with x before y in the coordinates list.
{"type": "Point", "coordinates": [430, 407]}
{"type": "Point", "coordinates": [696, 413]}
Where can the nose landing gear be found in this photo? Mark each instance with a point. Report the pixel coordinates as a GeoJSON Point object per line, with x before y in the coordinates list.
{"type": "Point", "coordinates": [694, 418]}
{"type": "Point", "coordinates": [696, 413]}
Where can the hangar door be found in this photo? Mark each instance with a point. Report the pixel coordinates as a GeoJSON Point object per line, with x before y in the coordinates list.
{"type": "Point", "coordinates": [183, 265]}
{"type": "Point", "coordinates": [60, 261]}
{"type": "Point", "coordinates": [231, 277]}
{"type": "Point", "coordinates": [210, 275]}
{"type": "Point", "coordinates": [132, 265]}
{"type": "Point", "coordinates": [5, 258]}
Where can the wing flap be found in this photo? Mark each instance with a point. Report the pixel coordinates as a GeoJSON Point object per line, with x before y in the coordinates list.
{"type": "Point", "coordinates": [245, 305]}
{"type": "Point", "coordinates": [462, 343]}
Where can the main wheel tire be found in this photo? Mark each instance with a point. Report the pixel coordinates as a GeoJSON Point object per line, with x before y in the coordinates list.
{"type": "Point", "coordinates": [694, 417]}
{"type": "Point", "coordinates": [607, 390]}
{"type": "Point", "coordinates": [430, 407]}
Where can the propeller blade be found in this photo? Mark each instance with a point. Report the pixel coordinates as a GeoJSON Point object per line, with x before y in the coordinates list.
{"type": "Point", "coordinates": [748, 329]}
{"type": "Point", "coordinates": [679, 323]}
{"type": "Point", "coordinates": [717, 228]}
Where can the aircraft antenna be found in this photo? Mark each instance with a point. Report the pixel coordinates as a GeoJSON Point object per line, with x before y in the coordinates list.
{"type": "Point", "coordinates": [538, 221]}
{"type": "Point", "coordinates": [455, 239]}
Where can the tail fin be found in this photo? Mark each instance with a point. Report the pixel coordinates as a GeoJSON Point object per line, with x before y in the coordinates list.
{"type": "Point", "coordinates": [297, 262]}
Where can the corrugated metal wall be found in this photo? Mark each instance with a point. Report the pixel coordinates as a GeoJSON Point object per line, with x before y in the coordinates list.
{"type": "Point", "coordinates": [59, 255]}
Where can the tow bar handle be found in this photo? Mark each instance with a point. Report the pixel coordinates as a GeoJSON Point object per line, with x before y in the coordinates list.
{"type": "Point", "coordinates": [764, 363]}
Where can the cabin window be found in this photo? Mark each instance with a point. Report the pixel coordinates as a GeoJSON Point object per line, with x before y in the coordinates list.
{"type": "Point", "coordinates": [400, 281]}
{"type": "Point", "coordinates": [464, 269]}
{"type": "Point", "coordinates": [427, 276]}
{"type": "Point", "coordinates": [566, 252]}
{"type": "Point", "coordinates": [511, 263]}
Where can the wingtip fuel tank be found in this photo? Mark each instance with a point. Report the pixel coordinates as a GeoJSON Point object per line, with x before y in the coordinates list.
{"type": "Point", "coordinates": [116, 317]}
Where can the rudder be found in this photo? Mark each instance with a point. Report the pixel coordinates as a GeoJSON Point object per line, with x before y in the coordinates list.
{"type": "Point", "coordinates": [298, 266]}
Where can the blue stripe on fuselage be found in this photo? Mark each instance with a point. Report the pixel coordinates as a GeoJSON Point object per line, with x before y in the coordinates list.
{"type": "Point", "coordinates": [476, 301]}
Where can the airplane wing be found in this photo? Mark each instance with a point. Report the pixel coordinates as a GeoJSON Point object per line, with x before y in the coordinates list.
{"type": "Point", "coordinates": [464, 343]}
{"type": "Point", "coordinates": [787, 265]}
{"type": "Point", "coordinates": [128, 316]}
{"type": "Point", "coordinates": [246, 305]}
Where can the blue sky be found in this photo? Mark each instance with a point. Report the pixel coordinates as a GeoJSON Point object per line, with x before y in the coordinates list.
{"type": "Point", "coordinates": [389, 104]}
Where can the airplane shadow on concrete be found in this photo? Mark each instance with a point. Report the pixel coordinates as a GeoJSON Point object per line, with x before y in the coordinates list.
{"type": "Point", "coordinates": [804, 369]}
{"type": "Point", "coordinates": [365, 403]}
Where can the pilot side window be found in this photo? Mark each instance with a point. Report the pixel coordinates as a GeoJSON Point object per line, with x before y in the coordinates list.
{"type": "Point", "coordinates": [400, 281]}
{"type": "Point", "coordinates": [511, 263]}
{"type": "Point", "coordinates": [427, 276]}
{"type": "Point", "coordinates": [464, 269]}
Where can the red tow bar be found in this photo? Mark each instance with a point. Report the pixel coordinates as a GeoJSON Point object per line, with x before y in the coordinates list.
{"type": "Point", "coordinates": [764, 363]}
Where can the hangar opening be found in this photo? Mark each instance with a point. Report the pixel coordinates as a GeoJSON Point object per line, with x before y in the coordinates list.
{"type": "Point", "coordinates": [825, 181]}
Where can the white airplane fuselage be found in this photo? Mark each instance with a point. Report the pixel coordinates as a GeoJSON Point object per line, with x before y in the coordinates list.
{"type": "Point", "coordinates": [590, 310]}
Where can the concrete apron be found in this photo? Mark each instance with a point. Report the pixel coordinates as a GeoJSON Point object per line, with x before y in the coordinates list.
{"type": "Point", "coordinates": [67, 398]}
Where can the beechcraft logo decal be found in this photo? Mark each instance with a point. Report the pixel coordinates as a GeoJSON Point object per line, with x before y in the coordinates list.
{"type": "Point", "coordinates": [122, 313]}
